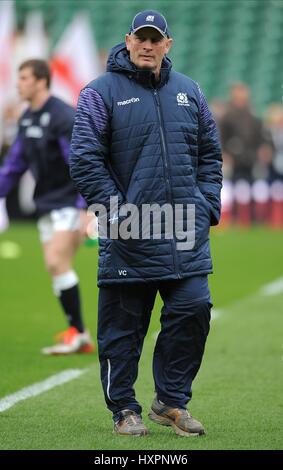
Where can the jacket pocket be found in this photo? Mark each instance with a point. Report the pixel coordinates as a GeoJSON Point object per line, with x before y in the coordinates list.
{"type": "Point", "coordinates": [134, 253]}
{"type": "Point", "coordinates": [205, 202]}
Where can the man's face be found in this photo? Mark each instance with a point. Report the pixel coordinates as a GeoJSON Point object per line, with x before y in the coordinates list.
{"type": "Point", "coordinates": [28, 85]}
{"type": "Point", "coordinates": [147, 48]}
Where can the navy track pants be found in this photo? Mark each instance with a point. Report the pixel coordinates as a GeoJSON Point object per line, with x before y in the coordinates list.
{"type": "Point", "coordinates": [123, 318]}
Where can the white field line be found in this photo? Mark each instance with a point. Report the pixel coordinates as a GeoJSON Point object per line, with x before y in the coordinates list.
{"type": "Point", "coordinates": [40, 387]}
{"type": "Point", "coordinates": [215, 313]}
{"type": "Point", "coordinates": [274, 288]}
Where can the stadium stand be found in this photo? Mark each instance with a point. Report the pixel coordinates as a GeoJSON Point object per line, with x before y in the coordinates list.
{"type": "Point", "coordinates": [218, 42]}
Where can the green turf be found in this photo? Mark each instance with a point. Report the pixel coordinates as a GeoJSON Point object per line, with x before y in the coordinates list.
{"type": "Point", "coordinates": [237, 394]}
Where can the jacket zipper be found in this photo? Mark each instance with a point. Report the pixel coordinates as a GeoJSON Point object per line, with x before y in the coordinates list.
{"type": "Point", "coordinates": [167, 177]}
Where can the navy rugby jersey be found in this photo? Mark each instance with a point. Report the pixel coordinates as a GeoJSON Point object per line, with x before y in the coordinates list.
{"type": "Point", "coordinates": [42, 145]}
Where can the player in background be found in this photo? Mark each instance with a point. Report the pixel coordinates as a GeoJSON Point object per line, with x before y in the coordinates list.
{"type": "Point", "coordinates": [42, 145]}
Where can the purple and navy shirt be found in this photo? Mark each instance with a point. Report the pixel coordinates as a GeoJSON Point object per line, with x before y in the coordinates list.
{"type": "Point", "coordinates": [42, 145]}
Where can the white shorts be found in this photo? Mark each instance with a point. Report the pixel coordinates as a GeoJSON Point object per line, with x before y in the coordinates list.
{"type": "Point", "coordinates": [67, 218]}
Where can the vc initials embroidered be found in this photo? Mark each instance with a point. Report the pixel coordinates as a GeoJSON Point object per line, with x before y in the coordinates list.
{"type": "Point", "coordinates": [182, 99]}
{"type": "Point", "coordinates": [122, 272]}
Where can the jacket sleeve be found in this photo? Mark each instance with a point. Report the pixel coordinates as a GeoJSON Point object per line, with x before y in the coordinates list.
{"type": "Point", "coordinates": [209, 177]}
{"type": "Point", "coordinates": [63, 131]}
{"type": "Point", "coordinates": [12, 169]}
{"type": "Point", "coordinates": [90, 151]}
{"type": "Point", "coordinates": [63, 126]}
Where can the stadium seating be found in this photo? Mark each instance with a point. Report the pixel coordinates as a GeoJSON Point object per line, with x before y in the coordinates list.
{"type": "Point", "coordinates": [216, 42]}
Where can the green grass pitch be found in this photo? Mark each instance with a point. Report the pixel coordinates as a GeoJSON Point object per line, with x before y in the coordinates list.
{"type": "Point", "coordinates": [237, 394]}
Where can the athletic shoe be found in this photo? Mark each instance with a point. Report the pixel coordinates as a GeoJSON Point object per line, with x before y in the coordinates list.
{"type": "Point", "coordinates": [69, 342]}
{"type": "Point", "coordinates": [180, 419]}
{"type": "Point", "coordinates": [129, 423]}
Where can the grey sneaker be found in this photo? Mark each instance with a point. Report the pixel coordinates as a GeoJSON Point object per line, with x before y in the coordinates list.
{"type": "Point", "coordinates": [180, 419]}
{"type": "Point", "coordinates": [129, 423]}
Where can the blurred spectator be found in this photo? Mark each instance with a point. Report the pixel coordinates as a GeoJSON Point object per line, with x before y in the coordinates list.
{"type": "Point", "coordinates": [11, 115]}
{"type": "Point", "coordinates": [274, 121]}
{"type": "Point", "coordinates": [218, 108]}
{"type": "Point", "coordinates": [8, 133]}
{"type": "Point", "coordinates": [20, 200]}
{"type": "Point", "coordinates": [247, 145]}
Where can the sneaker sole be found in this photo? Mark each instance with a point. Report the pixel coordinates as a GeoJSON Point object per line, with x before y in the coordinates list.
{"type": "Point", "coordinates": [131, 434]}
{"type": "Point", "coordinates": [88, 348]}
{"type": "Point", "coordinates": [58, 353]}
{"type": "Point", "coordinates": [168, 422]}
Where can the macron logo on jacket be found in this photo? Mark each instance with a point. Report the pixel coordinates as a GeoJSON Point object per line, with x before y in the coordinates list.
{"type": "Point", "coordinates": [130, 101]}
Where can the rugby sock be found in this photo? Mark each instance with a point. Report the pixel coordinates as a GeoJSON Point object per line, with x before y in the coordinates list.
{"type": "Point", "coordinates": [66, 288]}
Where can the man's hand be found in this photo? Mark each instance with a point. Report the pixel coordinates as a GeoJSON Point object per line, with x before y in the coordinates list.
{"type": "Point", "coordinates": [89, 226]}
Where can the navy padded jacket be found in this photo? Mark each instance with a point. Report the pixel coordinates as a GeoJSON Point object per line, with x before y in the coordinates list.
{"type": "Point", "coordinates": [146, 143]}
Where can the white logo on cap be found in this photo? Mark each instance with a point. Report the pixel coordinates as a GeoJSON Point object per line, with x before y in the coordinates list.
{"type": "Point", "coordinates": [182, 99]}
{"type": "Point", "coordinates": [149, 18]}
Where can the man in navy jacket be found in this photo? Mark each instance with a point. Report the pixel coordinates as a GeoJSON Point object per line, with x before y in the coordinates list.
{"type": "Point", "coordinates": [145, 139]}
